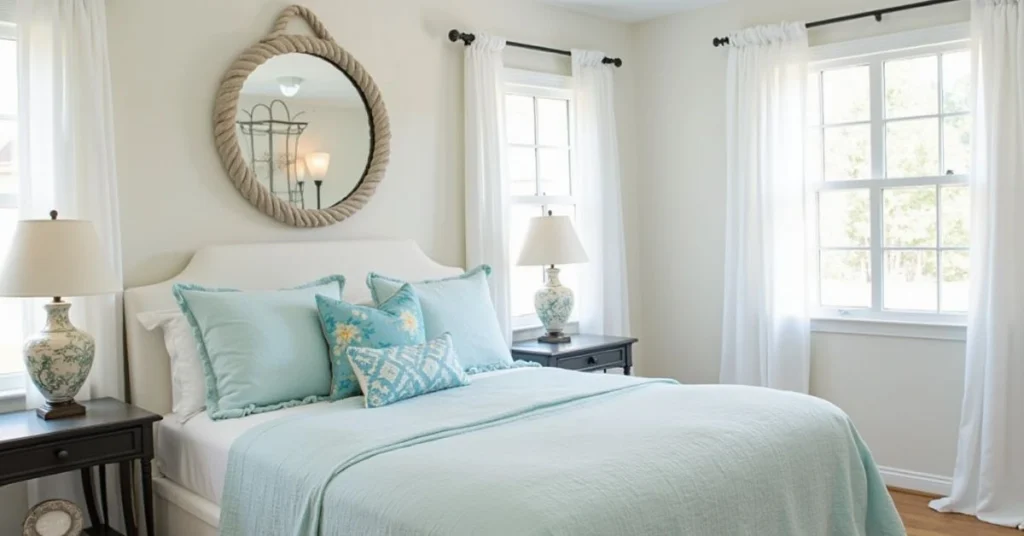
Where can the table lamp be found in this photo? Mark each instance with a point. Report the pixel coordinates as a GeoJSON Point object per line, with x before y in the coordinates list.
{"type": "Point", "coordinates": [552, 240]}
{"type": "Point", "coordinates": [57, 258]}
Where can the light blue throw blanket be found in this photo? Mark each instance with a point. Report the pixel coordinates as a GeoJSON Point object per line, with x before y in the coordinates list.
{"type": "Point", "coordinates": [548, 451]}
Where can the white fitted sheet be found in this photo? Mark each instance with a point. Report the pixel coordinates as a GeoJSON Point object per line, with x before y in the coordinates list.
{"type": "Point", "coordinates": [194, 454]}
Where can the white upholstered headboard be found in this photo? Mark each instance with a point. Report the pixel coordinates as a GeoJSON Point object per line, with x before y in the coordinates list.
{"type": "Point", "coordinates": [259, 267]}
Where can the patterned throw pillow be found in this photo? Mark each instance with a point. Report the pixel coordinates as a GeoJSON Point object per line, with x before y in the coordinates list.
{"type": "Point", "coordinates": [397, 321]}
{"type": "Point", "coordinates": [388, 375]}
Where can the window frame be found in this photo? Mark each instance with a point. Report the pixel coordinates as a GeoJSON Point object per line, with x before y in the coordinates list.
{"type": "Point", "coordinates": [536, 84]}
{"type": "Point", "coordinates": [874, 52]}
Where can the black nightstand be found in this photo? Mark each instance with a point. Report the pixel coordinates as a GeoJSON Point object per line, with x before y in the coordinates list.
{"type": "Point", "coordinates": [109, 432]}
{"type": "Point", "coordinates": [584, 352]}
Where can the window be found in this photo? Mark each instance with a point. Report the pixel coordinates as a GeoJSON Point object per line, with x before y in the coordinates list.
{"type": "Point", "coordinates": [888, 155]}
{"type": "Point", "coordinates": [538, 123]}
{"type": "Point", "coordinates": [11, 337]}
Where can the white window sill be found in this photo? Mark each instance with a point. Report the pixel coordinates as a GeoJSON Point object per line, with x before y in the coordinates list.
{"type": "Point", "coordinates": [890, 328]}
{"type": "Point", "coordinates": [13, 394]}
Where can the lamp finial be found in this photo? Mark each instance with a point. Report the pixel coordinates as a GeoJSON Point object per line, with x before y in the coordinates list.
{"type": "Point", "coordinates": [53, 214]}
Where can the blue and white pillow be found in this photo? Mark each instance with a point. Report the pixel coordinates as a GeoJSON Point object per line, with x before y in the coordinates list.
{"type": "Point", "coordinates": [260, 350]}
{"type": "Point", "coordinates": [398, 321]}
{"type": "Point", "coordinates": [461, 306]}
{"type": "Point", "coordinates": [388, 375]}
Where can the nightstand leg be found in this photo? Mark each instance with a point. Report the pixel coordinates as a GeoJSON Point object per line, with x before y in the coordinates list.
{"type": "Point", "coordinates": [103, 494]}
{"type": "Point", "coordinates": [147, 495]}
{"type": "Point", "coordinates": [90, 496]}
{"type": "Point", "coordinates": [126, 498]}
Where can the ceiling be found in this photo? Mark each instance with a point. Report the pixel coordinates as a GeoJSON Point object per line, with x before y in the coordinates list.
{"type": "Point", "coordinates": [631, 10]}
{"type": "Point", "coordinates": [321, 80]}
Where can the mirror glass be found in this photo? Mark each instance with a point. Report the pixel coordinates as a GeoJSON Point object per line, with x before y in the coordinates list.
{"type": "Point", "coordinates": [304, 130]}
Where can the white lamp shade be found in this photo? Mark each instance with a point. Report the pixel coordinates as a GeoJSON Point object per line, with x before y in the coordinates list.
{"type": "Point", "coordinates": [317, 164]}
{"type": "Point", "coordinates": [56, 258]}
{"type": "Point", "coordinates": [551, 240]}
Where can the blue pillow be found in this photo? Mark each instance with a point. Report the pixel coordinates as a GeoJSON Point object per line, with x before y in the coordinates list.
{"type": "Point", "coordinates": [461, 306]}
{"type": "Point", "coordinates": [260, 350]}
{"type": "Point", "coordinates": [396, 322]}
{"type": "Point", "coordinates": [388, 375]}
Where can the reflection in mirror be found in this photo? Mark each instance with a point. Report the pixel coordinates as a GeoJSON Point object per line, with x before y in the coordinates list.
{"type": "Point", "coordinates": [304, 130]}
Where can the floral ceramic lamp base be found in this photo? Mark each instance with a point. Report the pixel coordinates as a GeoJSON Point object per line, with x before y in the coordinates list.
{"type": "Point", "coordinates": [58, 360]}
{"type": "Point", "coordinates": [554, 305]}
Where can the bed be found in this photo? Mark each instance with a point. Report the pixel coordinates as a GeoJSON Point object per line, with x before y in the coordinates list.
{"type": "Point", "coordinates": [522, 451]}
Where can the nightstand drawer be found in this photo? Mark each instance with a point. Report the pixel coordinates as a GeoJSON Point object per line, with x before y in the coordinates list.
{"type": "Point", "coordinates": [62, 456]}
{"type": "Point", "coordinates": [610, 358]}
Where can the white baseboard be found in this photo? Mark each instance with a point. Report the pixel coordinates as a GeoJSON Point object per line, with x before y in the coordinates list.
{"type": "Point", "coordinates": [913, 480]}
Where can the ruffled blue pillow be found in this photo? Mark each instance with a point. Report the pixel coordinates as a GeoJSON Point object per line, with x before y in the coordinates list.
{"type": "Point", "coordinates": [398, 321]}
{"type": "Point", "coordinates": [388, 375]}
{"type": "Point", "coordinates": [260, 350]}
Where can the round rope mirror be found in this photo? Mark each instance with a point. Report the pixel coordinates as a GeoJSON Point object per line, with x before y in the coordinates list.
{"type": "Point", "coordinates": [295, 112]}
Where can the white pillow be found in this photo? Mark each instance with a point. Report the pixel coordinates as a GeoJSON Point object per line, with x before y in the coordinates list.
{"type": "Point", "coordinates": [188, 384]}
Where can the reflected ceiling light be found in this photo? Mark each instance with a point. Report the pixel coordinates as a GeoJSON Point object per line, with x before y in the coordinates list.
{"type": "Point", "coordinates": [289, 85]}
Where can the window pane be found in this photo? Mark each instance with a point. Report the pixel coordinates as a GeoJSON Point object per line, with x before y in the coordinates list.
{"type": "Point", "coordinates": [554, 171]}
{"type": "Point", "coordinates": [845, 218]}
{"type": "Point", "coordinates": [846, 278]}
{"type": "Point", "coordinates": [8, 77]}
{"type": "Point", "coordinates": [524, 280]}
{"type": "Point", "coordinates": [956, 216]}
{"type": "Point", "coordinates": [910, 281]}
{"type": "Point", "coordinates": [912, 148]}
{"type": "Point", "coordinates": [848, 152]}
{"type": "Point", "coordinates": [553, 122]}
{"type": "Point", "coordinates": [912, 87]}
{"type": "Point", "coordinates": [519, 119]}
{"type": "Point", "coordinates": [956, 81]}
{"type": "Point", "coordinates": [956, 141]}
{"type": "Point", "coordinates": [11, 336]}
{"type": "Point", "coordinates": [846, 95]}
{"type": "Point", "coordinates": [814, 99]}
{"type": "Point", "coordinates": [955, 282]}
{"type": "Point", "coordinates": [909, 216]}
{"type": "Point", "coordinates": [522, 166]}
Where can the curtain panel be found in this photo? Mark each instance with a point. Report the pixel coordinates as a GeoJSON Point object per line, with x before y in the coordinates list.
{"type": "Point", "coordinates": [765, 328]}
{"type": "Point", "coordinates": [988, 479]}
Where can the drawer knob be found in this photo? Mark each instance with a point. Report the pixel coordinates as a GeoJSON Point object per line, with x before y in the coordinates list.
{"type": "Point", "coordinates": [591, 360]}
{"type": "Point", "coordinates": [62, 454]}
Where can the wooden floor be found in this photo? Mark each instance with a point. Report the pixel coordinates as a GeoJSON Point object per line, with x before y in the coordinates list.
{"type": "Point", "coordinates": [923, 521]}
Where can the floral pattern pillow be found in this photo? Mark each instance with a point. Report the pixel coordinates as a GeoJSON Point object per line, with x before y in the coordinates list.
{"type": "Point", "coordinates": [395, 322]}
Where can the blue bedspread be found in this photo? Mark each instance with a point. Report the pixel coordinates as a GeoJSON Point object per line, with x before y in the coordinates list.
{"type": "Point", "coordinates": [547, 451]}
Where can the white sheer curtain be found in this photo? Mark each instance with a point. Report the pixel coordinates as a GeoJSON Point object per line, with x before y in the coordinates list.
{"type": "Point", "coordinates": [988, 479]}
{"type": "Point", "coordinates": [66, 154]}
{"type": "Point", "coordinates": [603, 291]}
{"type": "Point", "coordinates": [487, 188]}
{"type": "Point", "coordinates": [765, 329]}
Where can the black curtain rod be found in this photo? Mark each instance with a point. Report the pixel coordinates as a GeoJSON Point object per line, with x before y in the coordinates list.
{"type": "Point", "coordinates": [468, 38]}
{"type": "Point", "coordinates": [877, 14]}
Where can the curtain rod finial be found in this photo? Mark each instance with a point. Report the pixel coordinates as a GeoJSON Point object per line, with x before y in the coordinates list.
{"type": "Point", "coordinates": [720, 41]}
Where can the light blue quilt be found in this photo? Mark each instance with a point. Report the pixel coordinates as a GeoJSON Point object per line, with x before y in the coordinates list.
{"type": "Point", "coordinates": [548, 451]}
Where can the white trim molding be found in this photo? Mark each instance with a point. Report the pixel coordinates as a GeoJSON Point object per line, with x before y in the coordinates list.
{"type": "Point", "coordinates": [890, 328]}
{"type": "Point", "coordinates": [916, 481]}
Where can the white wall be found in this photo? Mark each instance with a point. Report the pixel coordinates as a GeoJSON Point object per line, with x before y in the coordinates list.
{"type": "Point", "coordinates": [168, 57]}
{"type": "Point", "coordinates": [903, 394]}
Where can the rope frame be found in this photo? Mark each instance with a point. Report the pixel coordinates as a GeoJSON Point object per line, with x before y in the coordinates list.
{"type": "Point", "coordinates": [225, 112]}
